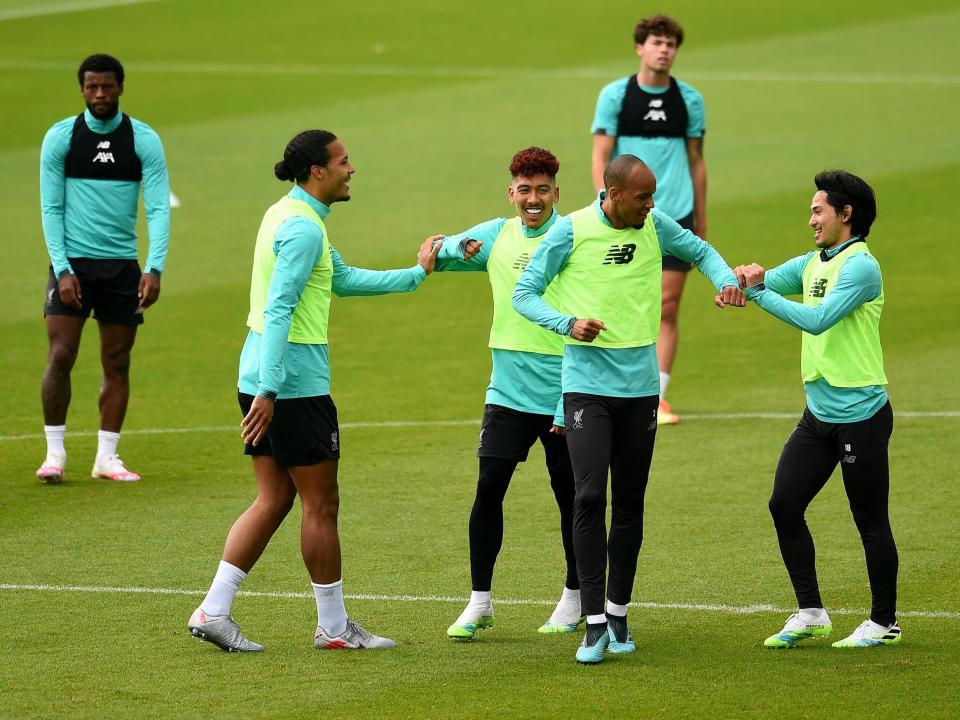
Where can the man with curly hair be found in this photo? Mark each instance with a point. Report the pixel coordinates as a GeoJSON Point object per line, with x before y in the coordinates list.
{"type": "Point", "coordinates": [660, 120]}
{"type": "Point", "coordinates": [523, 402]}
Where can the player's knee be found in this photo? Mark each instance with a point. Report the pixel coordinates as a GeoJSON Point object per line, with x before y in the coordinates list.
{"type": "Point", "coordinates": [591, 499]}
{"type": "Point", "coordinates": [669, 311]}
{"type": "Point", "coordinates": [62, 357]}
{"type": "Point", "coordinates": [116, 362]}
{"type": "Point", "coordinates": [783, 510]}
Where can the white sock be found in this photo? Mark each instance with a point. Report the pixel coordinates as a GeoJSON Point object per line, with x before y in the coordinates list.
{"type": "Point", "coordinates": [107, 443]}
{"type": "Point", "coordinates": [225, 584]}
{"type": "Point", "coordinates": [570, 596]}
{"type": "Point", "coordinates": [664, 381]}
{"type": "Point", "coordinates": [55, 435]}
{"type": "Point", "coordinates": [480, 599]}
{"type": "Point", "coordinates": [331, 612]}
{"type": "Point", "coordinates": [814, 615]}
{"type": "Point", "coordinates": [594, 619]}
{"type": "Point", "coordinates": [614, 609]}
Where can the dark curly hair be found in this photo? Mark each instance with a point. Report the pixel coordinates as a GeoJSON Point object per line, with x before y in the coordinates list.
{"type": "Point", "coordinates": [658, 25]}
{"type": "Point", "coordinates": [533, 161]}
{"type": "Point", "coordinates": [305, 150]}
{"type": "Point", "coordinates": [100, 64]}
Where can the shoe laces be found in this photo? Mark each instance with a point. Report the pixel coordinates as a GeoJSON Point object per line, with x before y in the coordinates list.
{"type": "Point", "coordinates": [358, 631]}
{"type": "Point", "coordinates": [794, 623]}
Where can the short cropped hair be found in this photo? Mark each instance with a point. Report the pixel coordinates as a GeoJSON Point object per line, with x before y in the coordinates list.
{"type": "Point", "coordinates": [100, 64]}
{"type": "Point", "coordinates": [843, 188]}
{"type": "Point", "coordinates": [658, 25]}
{"type": "Point", "coordinates": [617, 172]}
{"type": "Point", "coordinates": [534, 161]}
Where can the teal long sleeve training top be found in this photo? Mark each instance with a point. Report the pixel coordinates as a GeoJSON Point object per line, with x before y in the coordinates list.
{"type": "Point", "coordinates": [97, 219]}
{"type": "Point", "coordinates": [614, 372]}
{"type": "Point", "coordinates": [269, 363]}
{"type": "Point", "coordinates": [859, 281]}
{"type": "Point", "coordinates": [524, 381]}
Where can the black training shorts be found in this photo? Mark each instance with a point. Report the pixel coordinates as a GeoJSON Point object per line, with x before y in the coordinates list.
{"type": "Point", "coordinates": [108, 288]}
{"type": "Point", "coordinates": [674, 263]}
{"type": "Point", "coordinates": [509, 434]}
{"type": "Point", "coordinates": [304, 431]}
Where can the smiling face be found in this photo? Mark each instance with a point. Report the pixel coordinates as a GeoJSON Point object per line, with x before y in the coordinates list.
{"type": "Point", "coordinates": [657, 53]}
{"type": "Point", "coordinates": [830, 228]}
{"type": "Point", "coordinates": [101, 92]}
{"type": "Point", "coordinates": [629, 206]}
{"type": "Point", "coordinates": [332, 181]}
{"type": "Point", "coordinates": [534, 198]}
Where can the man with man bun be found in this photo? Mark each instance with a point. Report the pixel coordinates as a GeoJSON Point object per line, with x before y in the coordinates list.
{"type": "Point", "coordinates": [289, 422]}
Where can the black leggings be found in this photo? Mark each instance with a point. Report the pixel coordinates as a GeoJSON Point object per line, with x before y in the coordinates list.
{"type": "Point", "coordinates": [486, 518]}
{"type": "Point", "coordinates": [616, 435]}
{"type": "Point", "coordinates": [808, 459]}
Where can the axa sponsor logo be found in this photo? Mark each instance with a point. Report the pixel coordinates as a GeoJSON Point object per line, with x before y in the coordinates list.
{"type": "Point", "coordinates": [104, 157]}
{"type": "Point", "coordinates": [620, 254]}
{"type": "Point", "coordinates": [655, 111]}
{"type": "Point", "coordinates": [818, 288]}
{"type": "Point", "coordinates": [522, 261]}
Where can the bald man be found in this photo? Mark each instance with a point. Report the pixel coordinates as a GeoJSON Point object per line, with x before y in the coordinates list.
{"type": "Point", "coordinates": [605, 262]}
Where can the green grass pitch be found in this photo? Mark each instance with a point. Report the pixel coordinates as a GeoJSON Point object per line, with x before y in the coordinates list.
{"type": "Point", "coordinates": [431, 99]}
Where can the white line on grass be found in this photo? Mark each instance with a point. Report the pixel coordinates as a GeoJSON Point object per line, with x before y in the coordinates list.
{"type": "Point", "coordinates": [586, 73]}
{"type": "Point", "coordinates": [451, 423]}
{"type": "Point", "coordinates": [730, 609]}
{"type": "Point", "coordinates": [34, 10]}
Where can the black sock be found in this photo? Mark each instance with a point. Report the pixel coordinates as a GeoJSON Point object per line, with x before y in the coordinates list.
{"type": "Point", "coordinates": [618, 627]}
{"type": "Point", "coordinates": [594, 632]}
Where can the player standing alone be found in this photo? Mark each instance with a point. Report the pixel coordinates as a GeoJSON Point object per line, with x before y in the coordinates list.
{"type": "Point", "coordinates": [660, 120]}
{"type": "Point", "coordinates": [848, 419]}
{"type": "Point", "coordinates": [92, 167]}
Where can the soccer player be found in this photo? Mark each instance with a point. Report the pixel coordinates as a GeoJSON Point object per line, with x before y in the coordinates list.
{"type": "Point", "coordinates": [848, 419]}
{"type": "Point", "coordinates": [604, 265]}
{"type": "Point", "coordinates": [523, 402]}
{"type": "Point", "coordinates": [290, 422]}
{"type": "Point", "coordinates": [660, 119]}
{"type": "Point", "coordinates": [92, 168]}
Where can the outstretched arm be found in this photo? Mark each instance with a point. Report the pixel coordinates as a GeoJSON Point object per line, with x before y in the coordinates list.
{"type": "Point", "coordinates": [859, 281]}
{"type": "Point", "coordinates": [353, 281]}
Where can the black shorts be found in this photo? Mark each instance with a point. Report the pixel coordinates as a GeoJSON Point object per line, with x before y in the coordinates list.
{"type": "Point", "coordinates": [108, 288]}
{"type": "Point", "coordinates": [674, 263]}
{"type": "Point", "coordinates": [304, 431]}
{"type": "Point", "coordinates": [509, 434]}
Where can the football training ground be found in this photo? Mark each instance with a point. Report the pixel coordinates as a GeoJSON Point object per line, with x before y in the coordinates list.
{"type": "Point", "coordinates": [431, 98]}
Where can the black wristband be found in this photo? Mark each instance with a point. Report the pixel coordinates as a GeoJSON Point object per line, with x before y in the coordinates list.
{"type": "Point", "coordinates": [154, 272]}
{"type": "Point", "coordinates": [267, 395]}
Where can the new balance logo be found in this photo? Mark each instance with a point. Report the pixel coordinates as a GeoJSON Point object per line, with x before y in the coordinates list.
{"type": "Point", "coordinates": [480, 439]}
{"type": "Point", "coordinates": [620, 254]}
{"type": "Point", "coordinates": [104, 157]}
{"type": "Point", "coordinates": [818, 288]}
{"type": "Point", "coordinates": [578, 419]}
{"type": "Point", "coordinates": [655, 113]}
{"type": "Point", "coordinates": [521, 262]}
{"type": "Point", "coordinates": [103, 145]}
{"type": "Point", "coordinates": [849, 459]}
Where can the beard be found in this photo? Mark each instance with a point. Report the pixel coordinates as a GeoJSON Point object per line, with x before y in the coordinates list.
{"type": "Point", "coordinates": [110, 112]}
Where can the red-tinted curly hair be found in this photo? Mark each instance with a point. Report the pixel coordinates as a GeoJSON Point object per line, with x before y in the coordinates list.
{"type": "Point", "coordinates": [533, 161]}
